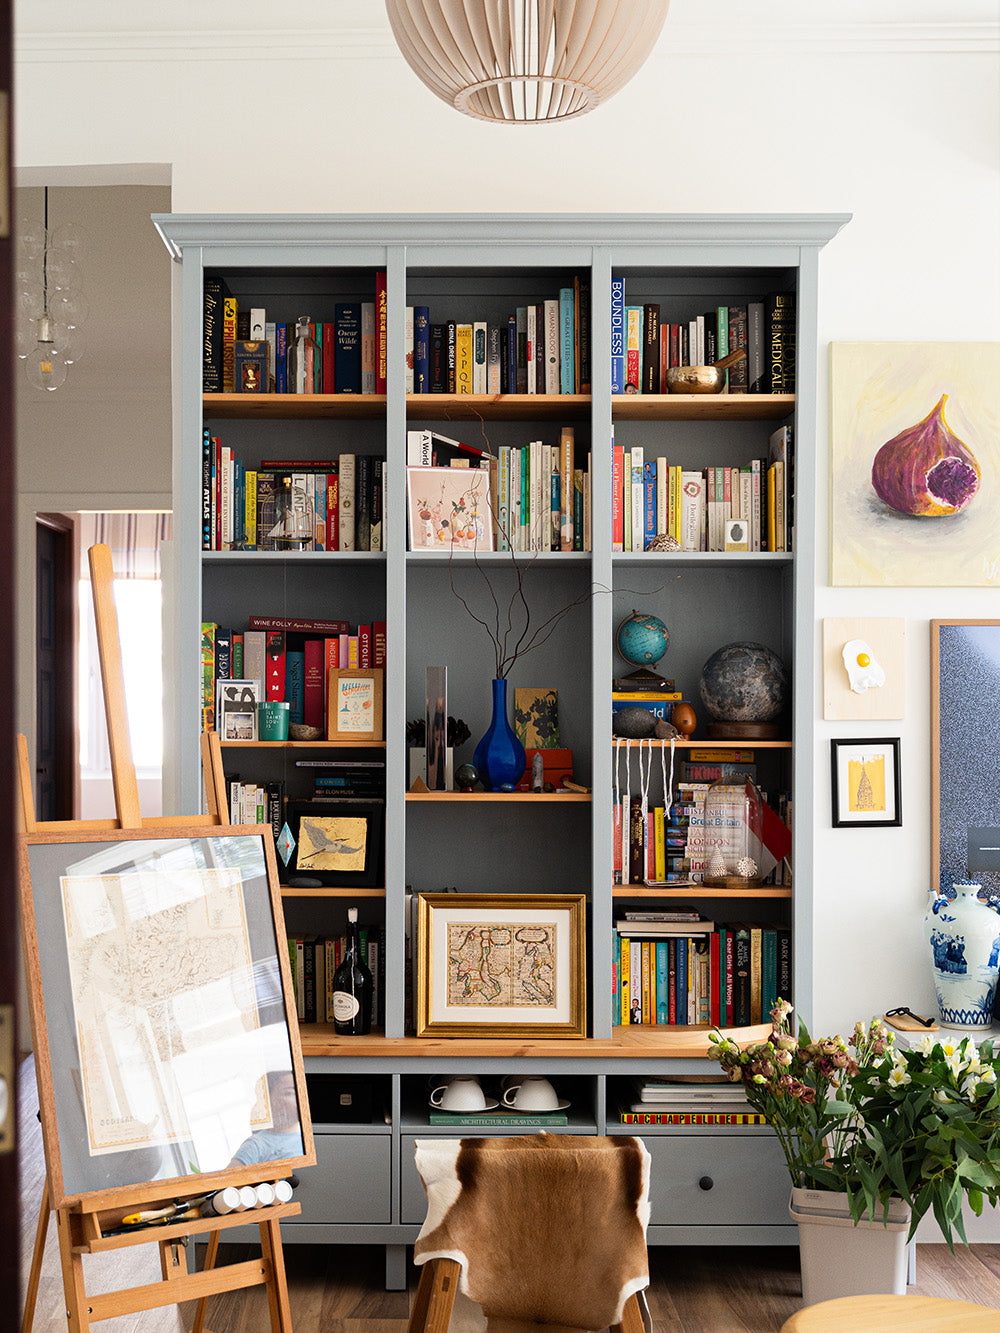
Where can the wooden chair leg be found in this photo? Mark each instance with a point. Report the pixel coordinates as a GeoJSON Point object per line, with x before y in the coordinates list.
{"type": "Point", "coordinates": [34, 1277]}
{"type": "Point", "coordinates": [632, 1321]}
{"type": "Point", "coordinates": [435, 1298]}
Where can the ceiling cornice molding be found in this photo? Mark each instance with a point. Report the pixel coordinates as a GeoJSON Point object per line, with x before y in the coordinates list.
{"type": "Point", "coordinates": [376, 43]}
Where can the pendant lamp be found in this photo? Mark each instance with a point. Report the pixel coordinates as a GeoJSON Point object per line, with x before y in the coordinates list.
{"type": "Point", "coordinates": [525, 62]}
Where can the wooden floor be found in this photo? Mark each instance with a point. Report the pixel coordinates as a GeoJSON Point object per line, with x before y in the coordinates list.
{"type": "Point", "coordinates": [340, 1289]}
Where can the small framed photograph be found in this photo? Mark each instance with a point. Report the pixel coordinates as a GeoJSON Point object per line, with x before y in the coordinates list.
{"type": "Point", "coordinates": [336, 842]}
{"type": "Point", "coordinates": [866, 783]}
{"type": "Point", "coordinates": [236, 709]}
{"type": "Point", "coordinates": [448, 509]}
{"type": "Point", "coordinates": [501, 965]}
{"type": "Point", "coordinates": [354, 704]}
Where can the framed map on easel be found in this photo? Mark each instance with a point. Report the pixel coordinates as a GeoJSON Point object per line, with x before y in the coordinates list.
{"type": "Point", "coordinates": [161, 1009]}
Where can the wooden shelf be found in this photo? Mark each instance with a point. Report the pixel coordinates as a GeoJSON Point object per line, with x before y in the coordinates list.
{"type": "Point", "coordinates": [283, 557]}
{"type": "Point", "coordinates": [293, 406]}
{"type": "Point", "coordinates": [290, 891]}
{"type": "Point", "coordinates": [695, 744]}
{"type": "Point", "coordinates": [302, 745]}
{"type": "Point", "coordinates": [686, 891]}
{"type": "Point", "coordinates": [702, 406]}
{"type": "Point", "coordinates": [565, 797]}
{"type": "Point", "coordinates": [702, 558]}
{"type": "Point", "coordinates": [319, 1039]}
{"type": "Point", "coordinates": [496, 407]}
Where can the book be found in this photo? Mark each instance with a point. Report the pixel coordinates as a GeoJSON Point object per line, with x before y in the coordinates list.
{"type": "Point", "coordinates": [497, 1119]}
{"type": "Point", "coordinates": [779, 375]}
{"type": "Point", "coordinates": [617, 336]}
{"type": "Point", "coordinates": [296, 625]}
{"type": "Point", "coordinates": [346, 500]}
{"type": "Point", "coordinates": [640, 929]}
{"type": "Point", "coordinates": [381, 330]}
{"type": "Point", "coordinates": [214, 293]}
{"type": "Point", "coordinates": [421, 349]}
{"type": "Point", "coordinates": [651, 348]}
{"type": "Point", "coordinates": [347, 346]}
{"type": "Point", "coordinates": [250, 367]}
{"type": "Point", "coordinates": [691, 1118]}
{"type": "Point", "coordinates": [369, 337]}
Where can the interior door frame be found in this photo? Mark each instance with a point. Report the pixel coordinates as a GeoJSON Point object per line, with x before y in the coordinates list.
{"type": "Point", "coordinates": [67, 628]}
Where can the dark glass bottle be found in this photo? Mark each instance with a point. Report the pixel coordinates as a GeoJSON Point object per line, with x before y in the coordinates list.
{"type": "Point", "coordinates": [352, 987]}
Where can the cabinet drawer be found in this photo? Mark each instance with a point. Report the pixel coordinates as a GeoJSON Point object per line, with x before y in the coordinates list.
{"type": "Point", "coordinates": [349, 1183]}
{"type": "Point", "coordinates": [749, 1180]}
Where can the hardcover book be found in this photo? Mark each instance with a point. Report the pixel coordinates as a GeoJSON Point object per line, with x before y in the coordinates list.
{"type": "Point", "coordinates": [347, 346]}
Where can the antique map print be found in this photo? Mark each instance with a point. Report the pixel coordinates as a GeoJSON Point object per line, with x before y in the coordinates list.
{"type": "Point", "coordinates": [502, 965]}
{"type": "Point", "coordinates": [161, 978]}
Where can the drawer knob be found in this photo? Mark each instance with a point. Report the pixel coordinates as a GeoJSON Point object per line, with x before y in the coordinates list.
{"type": "Point", "coordinates": [706, 1183]}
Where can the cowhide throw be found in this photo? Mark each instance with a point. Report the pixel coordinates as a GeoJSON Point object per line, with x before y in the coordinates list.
{"type": "Point", "coordinates": [548, 1228]}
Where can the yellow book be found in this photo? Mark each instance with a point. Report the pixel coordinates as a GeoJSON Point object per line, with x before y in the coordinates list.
{"type": "Point", "coordinates": [659, 843]}
{"type": "Point", "coordinates": [353, 660]}
{"type": "Point", "coordinates": [463, 358]}
{"type": "Point", "coordinates": [624, 980]}
{"type": "Point", "coordinates": [770, 508]}
{"type": "Point", "coordinates": [676, 484]}
{"type": "Point", "coordinates": [250, 511]}
{"type": "Point", "coordinates": [755, 975]}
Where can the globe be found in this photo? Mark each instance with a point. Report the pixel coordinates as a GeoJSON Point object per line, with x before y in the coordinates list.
{"type": "Point", "coordinates": [642, 639]}
{"type": "Point", "coordinates": [743, 682]}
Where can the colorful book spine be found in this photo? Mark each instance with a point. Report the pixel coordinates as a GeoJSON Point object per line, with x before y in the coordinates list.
{"type": "Point", "coordinates": [421, 349]}
{"type": "Point", "coordinates": [617, 337]}
{"type": "Point", "coordinates": [567, 342]}
{"type": "Point", "coordinates": [691, 1118]}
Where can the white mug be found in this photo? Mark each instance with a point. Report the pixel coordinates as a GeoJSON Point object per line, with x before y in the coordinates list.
{"type": "Point", "coordinates": [461, 1094]}
{"type": "Point", "coordinates": [531, 1094]}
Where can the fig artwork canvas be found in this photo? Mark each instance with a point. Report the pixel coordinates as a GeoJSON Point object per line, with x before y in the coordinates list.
{"type": "Point", "coordinates": [914, 464]}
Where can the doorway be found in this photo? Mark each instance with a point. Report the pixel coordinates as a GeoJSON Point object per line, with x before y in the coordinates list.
{"type": "Point", "coordinates": [56, 771]}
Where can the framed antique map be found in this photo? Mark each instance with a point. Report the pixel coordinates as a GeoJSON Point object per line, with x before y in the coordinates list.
{"type": "Point", "coordinates": [161, 1008]}
{"type": "Point", "coordinates": [501, 965]}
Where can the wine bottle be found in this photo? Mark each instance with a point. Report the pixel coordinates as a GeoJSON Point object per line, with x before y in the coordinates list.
{"type": "Point", "coordinates": [352, 987]}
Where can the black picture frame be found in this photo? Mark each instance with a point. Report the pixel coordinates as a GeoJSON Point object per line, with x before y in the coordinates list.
{"type": "Point", "coordinates": [295, 873]}
{"type": "Point", "coordinates": [878, 755]}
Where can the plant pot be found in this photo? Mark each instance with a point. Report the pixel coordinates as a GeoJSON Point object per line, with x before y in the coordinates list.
{"type": "Point", "coordinates": [838, 1258]}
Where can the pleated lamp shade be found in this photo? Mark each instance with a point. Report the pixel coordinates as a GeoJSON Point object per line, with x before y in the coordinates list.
{"type": "Point", "coordinates": [525, 61]}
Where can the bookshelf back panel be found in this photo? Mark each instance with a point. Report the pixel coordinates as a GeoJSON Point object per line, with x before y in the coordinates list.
{"type": "Point", "coordinates": [323, 587]}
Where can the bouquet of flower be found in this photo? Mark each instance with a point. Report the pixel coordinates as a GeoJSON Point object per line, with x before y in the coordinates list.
{"type": "Point", "coordinates": [804, 1089]}
{"type": "Point", "coordinates": [931, 1131]}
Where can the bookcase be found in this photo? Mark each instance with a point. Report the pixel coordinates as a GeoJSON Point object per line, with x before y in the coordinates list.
{"type": "Point", "coordinates": [723, 1184]}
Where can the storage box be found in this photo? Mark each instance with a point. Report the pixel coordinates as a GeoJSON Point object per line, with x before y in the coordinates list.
{"type": "Point", "coordinates": [557, 766]}
{"type": "Point", "coordinates": [334, 1099]}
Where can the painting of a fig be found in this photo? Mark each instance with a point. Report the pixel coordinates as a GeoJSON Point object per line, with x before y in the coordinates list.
{"type": "Point", "coordinates": [926, 470]}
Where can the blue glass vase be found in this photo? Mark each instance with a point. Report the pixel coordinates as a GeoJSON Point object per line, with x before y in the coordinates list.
{"type": "Point", "coordinates": [499, 756]}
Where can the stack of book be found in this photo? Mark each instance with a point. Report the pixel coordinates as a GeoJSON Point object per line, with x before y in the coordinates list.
{"type": "Point", "coordinates": [675, 1100]}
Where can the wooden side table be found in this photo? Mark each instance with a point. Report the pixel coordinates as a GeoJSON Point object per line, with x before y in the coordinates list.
{"type": "Point", "coordinates": [884, 1314]}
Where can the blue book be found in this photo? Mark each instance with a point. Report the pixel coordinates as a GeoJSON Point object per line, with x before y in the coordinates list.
{"type": "Point", "coordinates": [295, 684]}
{"type": "Point", "coordinates": [567, 341]}
{"type": "Point", "coordinates": [662, 979]}
{"type": "Point", "coordinates": [347, 347]}
{"type": "Point", "coordinates": [281, 358]}
{"type": "Point", "coordinates": [617, 335]}
{"type": "Point", "coordinates": [421, 349]}
{"type": "Point", "coordinates": [648, 502]}
{"type": "Point", "coordinates": [682, 979]}
{"type": "Point", "coordinates": [511, 354]}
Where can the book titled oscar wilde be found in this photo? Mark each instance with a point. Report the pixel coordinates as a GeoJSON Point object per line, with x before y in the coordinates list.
{"type": "Point", "coordinates": [347, 347]}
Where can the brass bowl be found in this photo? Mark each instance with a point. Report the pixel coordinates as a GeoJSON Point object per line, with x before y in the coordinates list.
{"type": "Point", "coordinates": [695, 379]}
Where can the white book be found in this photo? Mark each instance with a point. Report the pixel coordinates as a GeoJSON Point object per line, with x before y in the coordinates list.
{"type": "Point", "coordinates": [551, 346]}
{"type": "Point", "coordinates": [693, 343]}
{"type": "Point", "coordinates": [755, 506]}
{"type": "Point", "coordinates": [419, 448]}
{"type": "Point", "coordinates": [258, 323]}
{"type": "Point", "coordinates": [700, 334]}
{"type": "Point", "coordinates": [346, 501]}
{"type": "Point", "coordinates": [746, 496]}
{"type": "Point", "coordinates": [532, 336]}
{"type": "Point", "coordinates": [479, 357]}
{"type": "Point", "coordinates": [636, 494]}
{"type": "Point", "coordinates": [408, 346]}
{"type": "Point", "coordinates": [539, 509]}
{"type": "Point", "coordinates": [626, 499]}
{"type": "Point", "coordinates": [516, 454]}
{"type": "Point", "coordinates": [692, 511]}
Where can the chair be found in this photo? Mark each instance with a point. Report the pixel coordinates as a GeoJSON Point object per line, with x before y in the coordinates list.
{"type": "Point", "coordinates": [883, 1314]}
{"type": "Point", "coordinates": [544, 1231]}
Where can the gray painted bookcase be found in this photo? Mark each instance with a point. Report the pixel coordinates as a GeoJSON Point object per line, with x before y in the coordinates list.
{"type": "Point", "coordinates": [721, 1185]}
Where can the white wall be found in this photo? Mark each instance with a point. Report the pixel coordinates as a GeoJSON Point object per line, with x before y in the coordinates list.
{"type": "Point", "coordinates": [888, 110]}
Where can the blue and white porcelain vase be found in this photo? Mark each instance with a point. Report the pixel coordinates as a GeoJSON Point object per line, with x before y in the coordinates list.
{"type": "Point", "coordinates": [964, 935]}
{"type": "Point", "coordinates": [500, 756]}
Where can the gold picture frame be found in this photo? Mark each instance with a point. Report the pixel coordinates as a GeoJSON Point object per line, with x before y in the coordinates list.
{"type": "Point", "coordinates": [501, 965]}
{"type": "Point", "coordinates": [354, 704]}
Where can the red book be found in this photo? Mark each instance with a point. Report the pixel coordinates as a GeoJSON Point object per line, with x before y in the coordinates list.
{"type": "Point", "coordinates": [381, 331]}
{"type": "Point", "coordinates": [617, 497]}
{"type": "Point", "coordinates": [314, 651]}
{"type": "Point", "coordinates": [333, 511]}
{"type": "Point", "coordinates": [672, 980]}
{"type": "Point", "coordinates": [364, 646]}
{"type": "Point", "coordinates": [329, 342]}
{"type": "Point", "coordinates": [675, 344]}
{"type": "Point", "coordinates": [378, 643]}
{"type": "Point", "coordinates": [291, 623]}
{"type": "Point", "coordinates": [715, 1009]}
{"type": "Point", "coordinates": [275, 649]}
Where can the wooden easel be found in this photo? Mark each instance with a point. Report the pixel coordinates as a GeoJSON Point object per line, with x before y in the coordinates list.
{"type": "Point", "coordinates": [82, 1228]}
